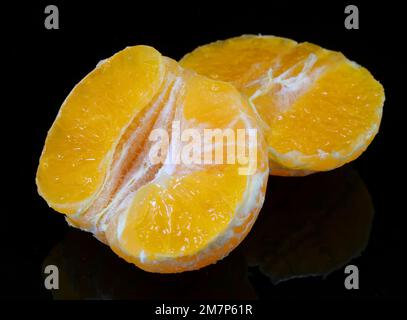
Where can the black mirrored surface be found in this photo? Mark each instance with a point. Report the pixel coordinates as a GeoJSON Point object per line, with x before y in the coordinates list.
{"type": "Point", "coordinates": [309, 226]}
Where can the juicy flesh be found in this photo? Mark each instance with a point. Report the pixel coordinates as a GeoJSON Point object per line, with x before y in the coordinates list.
{"type": "Point", "coordinates": [237, 60]}
{"type": "Point", "coordinates": [78, 146]}
{"type": "Point", "coordinates": [160, 210]}
{"type": "Point", "coordinates": [186, 207]}
{"type": "Point", "coordinates": [318, 109]}
{"type": "Point", "coordinates": [183, 216]}
{"type": "Point", "coordinates": [340, 108]}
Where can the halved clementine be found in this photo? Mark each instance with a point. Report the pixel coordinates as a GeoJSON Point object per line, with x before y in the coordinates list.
{"type": "Point", "coordinates": [318, 109]}
{"type": "Point", "coordinates": [168, 216]}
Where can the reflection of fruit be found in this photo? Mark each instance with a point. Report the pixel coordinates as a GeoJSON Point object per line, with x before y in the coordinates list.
{"type": "Point", "coordinates": [88, 270]}
{"type": "Point", "coordinates": [326, 226]}
{"type": "Point", "coordinates": [96, 165]}
{"type": "Point", "coordinates": [311, 226]}
{"type": "Point", "coordinates": [318, 109]}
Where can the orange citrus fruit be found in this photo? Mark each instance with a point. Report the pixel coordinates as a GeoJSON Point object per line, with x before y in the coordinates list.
{"type": "Point", "coordinates": [318, 109]}
{"type": "Point", "coordinates": [96, 166]}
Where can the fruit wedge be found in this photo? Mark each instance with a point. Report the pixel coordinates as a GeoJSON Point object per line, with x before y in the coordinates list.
{"type": "Point", "coordinates": [318, 109]}
{"type": "Point", "coordinates": [99, 163]}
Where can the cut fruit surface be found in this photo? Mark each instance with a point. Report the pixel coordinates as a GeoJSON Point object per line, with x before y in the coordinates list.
{"type": "Point", "coordinates": [78, 148]}
{"type": "Point", "coordinates": [99, 164]}
{"type": "Point", "coordinates": [318, 109]}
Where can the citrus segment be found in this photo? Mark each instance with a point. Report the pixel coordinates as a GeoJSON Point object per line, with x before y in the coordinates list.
{"type": "Point", "coordinates": [170, 215]}
{"type": "Point", "coordinates": [331, 124]}
{"type": "Point", "coordinates": [192, 215]}
{"type": "Point", "coordinates": [318, 110]}
{"type": "Point", "coordinates": [79, 144]}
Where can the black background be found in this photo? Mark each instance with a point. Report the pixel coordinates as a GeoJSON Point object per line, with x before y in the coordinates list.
{"type": "Point", "coordinates": [43, 65]}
